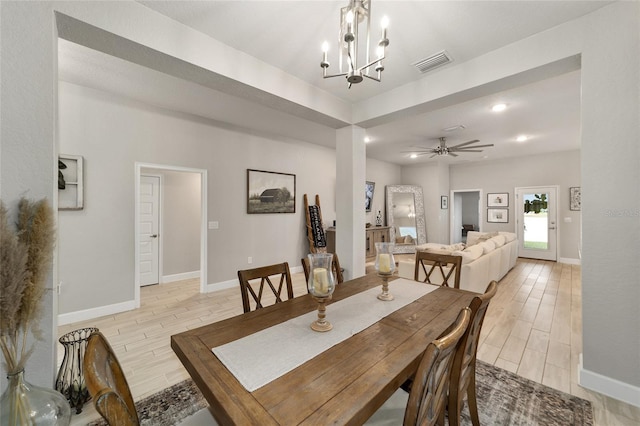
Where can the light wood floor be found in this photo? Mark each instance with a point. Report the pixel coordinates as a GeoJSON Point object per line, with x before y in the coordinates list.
{"type": "Point", "coordinates": [533, 328]}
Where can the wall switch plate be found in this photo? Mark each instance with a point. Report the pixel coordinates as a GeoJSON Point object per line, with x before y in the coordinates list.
{"type": "Point", "coordinates": [249, 260]}
{"type": "Point", "coordinates": [214, 225]}
{"type": "Point", "coordinates": [568, 220]}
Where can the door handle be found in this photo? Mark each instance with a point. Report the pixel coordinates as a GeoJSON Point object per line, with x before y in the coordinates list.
{"type": "Point", "coordinates": [553, 227]}
{"type": "Point", "coordinates": [153, 235]}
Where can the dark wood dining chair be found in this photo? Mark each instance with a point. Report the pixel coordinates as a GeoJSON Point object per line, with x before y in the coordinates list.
{"type": "Point", "coordinates": [335, 266]}
{"type": "Point", "coordinates": [428, 396]}
{"type": "Point", "coordinates": [107, 384]}
{"type": "Point", "coordinates": [265, 274]}
{"type": "Point", "coordinates": [448, 267]}
{"type": "Point", "coordinates": [463, 372]}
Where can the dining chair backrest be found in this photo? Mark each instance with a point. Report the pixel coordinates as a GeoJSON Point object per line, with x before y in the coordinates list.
{"type": "Point", "coordinates": [428, 396]}
{"type": "Point", "coordinates": [265, 274]}
{"type": "Point", "coordinates": [335, 266]}
{"type": "Point", "coordinates": [463, 372]}
{"type": "Point", "coordinates": [437, 267]}
{"type": "Point", "coordinates": [107, 384]}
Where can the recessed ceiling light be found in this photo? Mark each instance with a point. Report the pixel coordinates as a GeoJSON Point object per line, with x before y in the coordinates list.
{"type": "Point", "coordinates": [521, 138]}
{"type": "Point", "coordinates": [414, 156]}
{"type": "Point", "coordinates": [499, 107]}
{"type": "Point", "coordinates": [367, 139]}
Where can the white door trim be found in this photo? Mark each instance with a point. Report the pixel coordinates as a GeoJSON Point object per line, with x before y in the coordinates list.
{"type": "Point", "coordinates": [138, 166]}
{"type": "Point", "coordinates": [519, 214]}
{"type": "Point", "coordinates": [452, 212]}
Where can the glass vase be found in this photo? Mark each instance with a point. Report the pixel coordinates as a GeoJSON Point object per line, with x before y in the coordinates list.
{"type": "Point", "coordinates": [385, 266]}
{"type": "Point", "coordinates": [70, 380]}
{"type": "Point", "coordinates": [25, 404]}
{"type": "Point", "coordinates": [321, 284]}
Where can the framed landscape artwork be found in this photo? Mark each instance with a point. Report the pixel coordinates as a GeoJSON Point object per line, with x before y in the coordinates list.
{"type": "Point", "coordinates": [499, 199]}
{"type": "Point", "coordinates": [270, 192]}
{"type": "Point", "coordinates": [498, 215]}
{"type": "Point", "coordinates": [575, 198]}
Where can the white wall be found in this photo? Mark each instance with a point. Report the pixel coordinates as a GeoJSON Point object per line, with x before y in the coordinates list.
{"type": "Point", "coordinates": [562, 168]}
{"type": "Point", "coordinates": [382, 174]}
{"type": "Point", "coordinates": [112, 133]}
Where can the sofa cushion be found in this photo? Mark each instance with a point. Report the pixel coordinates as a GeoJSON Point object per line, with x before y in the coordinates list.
{"type": "Point", "coordinates": [469, 254]}
{"type": "Point", "coordinates": [508, 236]}
{"type": "Point", "coordinates": [474, 237]}
{"type": "Point", "coordinates": [498, 240]}
{"type": "Point", "coordinates": [476, 251]}
{"type": "Point", "coordinates": [487, 246]}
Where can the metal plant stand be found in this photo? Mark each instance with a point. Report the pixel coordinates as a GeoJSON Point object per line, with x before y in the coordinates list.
{"type": "Point", "coordinates": [70, 380]}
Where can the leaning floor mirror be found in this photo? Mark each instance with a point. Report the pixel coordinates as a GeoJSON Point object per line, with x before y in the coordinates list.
{"type": "Point", "coordinates": [405, 217]}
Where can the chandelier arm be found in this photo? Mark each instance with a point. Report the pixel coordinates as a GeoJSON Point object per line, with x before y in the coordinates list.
{"type": "Point", "coordinates": [371, 77]}
{"type": "Point", "coordinates": [334, 75]}
{"type": "Point", "coordinates": [371, 63]}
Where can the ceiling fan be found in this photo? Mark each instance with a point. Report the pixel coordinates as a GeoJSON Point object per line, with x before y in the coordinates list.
{"type": "Point", "coordinates": [443, 149]}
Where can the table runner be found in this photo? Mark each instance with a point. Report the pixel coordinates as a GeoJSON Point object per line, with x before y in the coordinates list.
{"type": "Point", "coordinates": [262, 357]}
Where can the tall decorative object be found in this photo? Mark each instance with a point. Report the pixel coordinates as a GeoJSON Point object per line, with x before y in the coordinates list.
{"type": "Point", "coordinates": [321, 285]}
{"type": "Point", "coordinates": [385, 266]}
{"type": "Point", "coordinates": [379, 219]}
{"type": "Point", "coordinates": [70, 380]}
{"type": "Point", "coordinates": [25, 265]}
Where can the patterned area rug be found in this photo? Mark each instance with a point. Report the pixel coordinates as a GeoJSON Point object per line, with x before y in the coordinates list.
{"type": "Point", "coordinates": [504, 398]}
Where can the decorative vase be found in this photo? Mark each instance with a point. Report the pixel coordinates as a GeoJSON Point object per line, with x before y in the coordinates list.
{"type": "Point", "coordinates": [385, 266]}
{"type": "Point", "coordinates": [70, 380]}
{"type": "Point", "coordinates": [321, 284]}
{"type": "Point", "coordinates": [379, 219]}
{"type": "Point", "coordinates": [25, 404]}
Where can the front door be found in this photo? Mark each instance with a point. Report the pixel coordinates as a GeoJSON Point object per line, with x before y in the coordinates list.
{"type": "Point", "coordinates": [536, 222]}
{"type": "Point", "coordinates": [149, 237]}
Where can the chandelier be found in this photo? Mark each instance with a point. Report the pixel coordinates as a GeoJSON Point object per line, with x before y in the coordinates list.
{"type": "Point", "coordinates": [355, 26]}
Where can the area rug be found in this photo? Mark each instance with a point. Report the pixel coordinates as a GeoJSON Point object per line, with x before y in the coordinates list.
{"type": "Point", "coordinates": [504, 399]}
{"type": "Point", "coordinates": [169, 406]}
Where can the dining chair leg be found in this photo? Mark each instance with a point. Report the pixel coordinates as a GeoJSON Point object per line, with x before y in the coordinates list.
{"type": "Point", "coordinates": [471, 398]}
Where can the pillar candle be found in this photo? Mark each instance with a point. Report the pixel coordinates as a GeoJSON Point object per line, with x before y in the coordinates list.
{"type": "Point", "coordinates": [320, 281]}
{"type": "Point", "coordinates": [384, 263]}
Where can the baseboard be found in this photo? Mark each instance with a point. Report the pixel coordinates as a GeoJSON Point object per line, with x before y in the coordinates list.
{"type": "Point", "coordinates": [179, 277]}
{"type": "Point", "coordinates": [607, 386]}
{"type": "Point", "coordinates": [92, 313]}
{"type": "Point", "coordinates": [569, 261]}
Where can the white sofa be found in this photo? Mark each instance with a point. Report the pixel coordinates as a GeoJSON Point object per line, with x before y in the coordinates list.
{"type": "Point", "coordinates": [486, 257]}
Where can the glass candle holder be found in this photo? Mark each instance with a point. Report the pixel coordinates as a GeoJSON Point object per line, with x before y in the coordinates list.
{"type": "Point", "coordinates": [321, 284]}
{"type": "Point", "coordinates": [385, 267]}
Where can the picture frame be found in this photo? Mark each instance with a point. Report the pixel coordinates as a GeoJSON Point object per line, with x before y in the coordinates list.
{"type": "Point", "coordinates": [498, 199]}
{"type": "Point", "coordinates": [498, 215]}
{"type": "Point", "coordinates": [270, 192]}
{"type": "Point", "coordinates": [575, 198]}
{"type": "Point", "coordinates": [444, 202]}
{"type": "Point", "coordinates": [368, 195]}
{"type": "Point", "coordinates": [70, 182]}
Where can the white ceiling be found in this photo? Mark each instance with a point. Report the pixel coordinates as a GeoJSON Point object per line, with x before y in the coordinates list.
{"type": "Point", "coordinates": [288, 35]}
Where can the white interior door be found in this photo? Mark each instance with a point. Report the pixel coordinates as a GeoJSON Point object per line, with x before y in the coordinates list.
{"type": "Point", "coordinates": [149, 224]}
{"type": "Point", "coordinates": [536, 222]}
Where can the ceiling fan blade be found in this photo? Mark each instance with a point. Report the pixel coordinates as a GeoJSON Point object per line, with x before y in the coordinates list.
{"type": "Point", "coordinates": [466, 150]}
{"type": "Point", "coordinates": [465, 143]}
{"type": "Point", "coordinates": [452, 154]}
{"type": "Point", "coordinates": [471, 147]}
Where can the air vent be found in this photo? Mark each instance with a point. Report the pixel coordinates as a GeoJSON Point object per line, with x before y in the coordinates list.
{"type": "Point", "coordinates": [433, 61]}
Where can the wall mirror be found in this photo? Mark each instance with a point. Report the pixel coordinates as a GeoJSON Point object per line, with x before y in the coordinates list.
{"type": "Point", "coordinates": [405, 217]}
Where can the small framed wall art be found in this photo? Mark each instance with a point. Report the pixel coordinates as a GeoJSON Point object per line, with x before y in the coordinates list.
{"type": "Point", "coordinates": [444, 202]}
{"type": "Point", "coordinates": [498, 215]}
{"type": "Point", "coordinates": [498, 199]}
{"type": "Point", "coordinates": [70, 182]}
{"type": "Point", "coordinates": [270, 192]}
{"type": "Point", "coordinates": [575, 199]}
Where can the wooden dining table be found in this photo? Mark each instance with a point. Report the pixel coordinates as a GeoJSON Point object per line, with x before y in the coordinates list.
{"type": "Point", "coordinates": [343, 385]}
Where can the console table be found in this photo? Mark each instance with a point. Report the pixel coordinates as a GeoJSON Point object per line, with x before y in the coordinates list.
{"type": "Point", "coordinates": [373, 235]}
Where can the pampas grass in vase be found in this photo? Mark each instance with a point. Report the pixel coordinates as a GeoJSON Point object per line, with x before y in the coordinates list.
{"type": "Point", "coordinates": [26, 252]}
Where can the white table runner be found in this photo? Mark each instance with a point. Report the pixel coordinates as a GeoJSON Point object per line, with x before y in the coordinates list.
{"type": "Point", "coordinates": [259, 358]}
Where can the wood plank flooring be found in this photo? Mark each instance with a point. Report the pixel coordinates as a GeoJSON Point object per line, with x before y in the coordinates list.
{"type": "Point", "coordinates": [533, 328]}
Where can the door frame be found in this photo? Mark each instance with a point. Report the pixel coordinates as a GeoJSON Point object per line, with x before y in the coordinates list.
{"type": "Point", "coordinates": [519, 208]}
{"type": "Point", "coordinates": [138, 166]}
{"type": "Point", "coordinates": [160, 221]}
{"type": "Point", "coordinates": [452, 211]}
